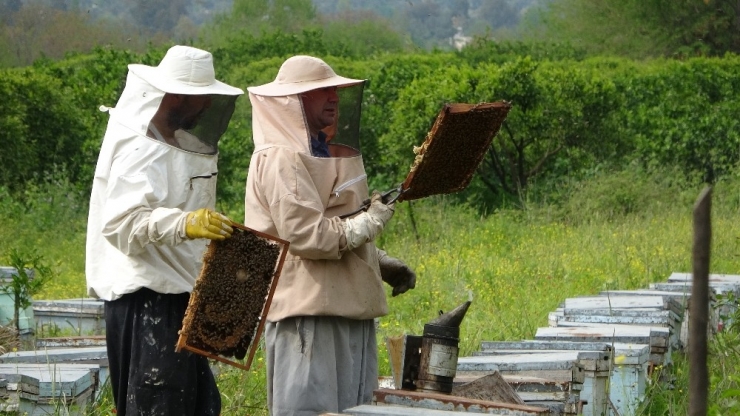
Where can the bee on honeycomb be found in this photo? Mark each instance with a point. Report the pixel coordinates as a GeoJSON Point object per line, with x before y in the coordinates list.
{"type": "Point", "coordinates": [230, 294]}
{"type": "Point", "coordinates": [453, 149]}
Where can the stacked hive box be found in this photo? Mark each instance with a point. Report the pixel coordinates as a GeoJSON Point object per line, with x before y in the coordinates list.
{"type": "Point", "coordinates": [724, 286]}
{"type": "Point", "coordinates": [19, 393]}
{"type": "Point", "coordinates": [81, 316]}
{"type": "Point", "coordinates": [93, 359]}
{"type": "Point", "coordinates": [585, 372]}
{"type": "Point", "coordinates": [630, 332]}
{"type": "Point", "coordinates": [679, 339]}
{"type": "Point", "coordinates": [48, 389]}
{"type": "Point", "coordinates": [619, 318]}
{"type": "Point", "coordinates": [628, 374]}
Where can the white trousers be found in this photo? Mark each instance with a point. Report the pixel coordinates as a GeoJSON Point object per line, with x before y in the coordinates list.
{"type": "Point", "coordinates": [318, 364]}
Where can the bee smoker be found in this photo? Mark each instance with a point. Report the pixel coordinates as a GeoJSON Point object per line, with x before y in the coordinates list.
{"type": "Point", "coordinates": [439, 351]}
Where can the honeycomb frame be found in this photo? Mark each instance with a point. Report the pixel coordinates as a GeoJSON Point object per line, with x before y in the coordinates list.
{"type": "Point", "coordinates": [231, 297]}
{"type": "Point", "coordinates": [453, 149]}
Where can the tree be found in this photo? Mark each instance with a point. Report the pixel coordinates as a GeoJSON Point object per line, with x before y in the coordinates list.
{"type": "Point", "coordinates": [254, 17]}
{"type": "Point", "coordinates": [42, 128]}
{"type": "Point", "coordinates": [644, 28]}
{"type": "Point", "coordinates": [7, 9]}
{"type": "Point", "coordinates": [497, 13]}
{"type": "Point", "coordinates": [429, 24]}
{"type": "Point", "coordinates": [561, 120]}
{"type": "Point", "coordinates": [35, 31]}
{"type": "Point", "coordinates": [158, 15]}
{"type": "Point", "coordinates": [707, 27]}
{"type": "Point", "coordinates": [363, 33]}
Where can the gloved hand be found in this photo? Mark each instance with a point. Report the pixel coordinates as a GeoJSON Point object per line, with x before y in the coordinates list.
{"type": "Point", "coordinates": [204, 223]}
{"type": "Point", "coordinates": [366, 226]}
{"type": "Point", "coordinates": [396, 273]}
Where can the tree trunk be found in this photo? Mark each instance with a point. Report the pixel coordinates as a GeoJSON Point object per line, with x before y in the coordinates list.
{"type": "Point", "coordinates": [16, 311]}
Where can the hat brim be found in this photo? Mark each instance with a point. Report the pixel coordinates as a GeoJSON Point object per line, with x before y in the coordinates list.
{"type": "Point", "coordinates": [276, 89]}
{"type": "Point", "coordinates": [153, 76]}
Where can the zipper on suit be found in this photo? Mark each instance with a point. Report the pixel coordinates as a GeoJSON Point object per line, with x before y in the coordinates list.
{"type": "Point", "coordinates": [347, 184]}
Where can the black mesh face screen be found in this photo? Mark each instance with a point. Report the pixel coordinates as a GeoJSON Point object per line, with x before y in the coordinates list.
{"type": "Point", "coordinates": [348, 122]}
{"type": "Point", "coordinates": [212, 123]}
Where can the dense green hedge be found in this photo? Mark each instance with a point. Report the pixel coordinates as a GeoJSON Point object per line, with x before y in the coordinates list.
{"type": "Point", "coordinates": [570, 115]}
{"type": "Point", "coordinates": [40, 129]}
{"type": "Point", "coordinates": [685, 113]}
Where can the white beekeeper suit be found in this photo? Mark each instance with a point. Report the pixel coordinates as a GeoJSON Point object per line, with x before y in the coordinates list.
{"type": "Point", "coordinates": [144, 188]}
{"type": "Point", "coordinates": [151, 215]}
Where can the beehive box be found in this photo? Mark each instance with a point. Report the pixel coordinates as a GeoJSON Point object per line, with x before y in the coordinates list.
{"type": "Point", "coordinates": [720, 312]}
{"type": "Point", "coordinates": [629, 366]}
{"type": "Point", "coordinates": [713, 278]}
{"type": "Point", "coordinates": [70, 342]}
{"type": "Point", "coordinates": [94, 358]}
{"type": "Point", "coordinates": [231, 297]}
{"type": "Point", "coordinates": [81, 316]}
{"type": "Point", "coordinates": [373, 410]}
{"type": "Point", "coordinates": [447, 402]}
{"type": "Point", "coordinates": [19, 393]}
{"type": "Point", "coordinates": [679, 338]}
{"type": "Point", "coordinates": [589, 368]}
{"type": "Point", "coordinates": [60, 388]}
{"type": "Point", "coordinates": [629, 377]}
{"type": "Point", "coordinates": [723, 286]}
{"type": "Point", "coordinates": [618, 307]}
{"type": "Point", "coordinates": [655, 337]}
{"type": "Point", "coordinates": [643, 316]}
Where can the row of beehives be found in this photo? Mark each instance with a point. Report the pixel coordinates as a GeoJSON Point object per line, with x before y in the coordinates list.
{"type": "Point", "coordinates": [64, 375]}
{"type": "Point", "coordinates": [51, 317]}
{"type": "Point", "coordinates": [54, 381]}
{"type": "Point", "coordinates": [594, 359]}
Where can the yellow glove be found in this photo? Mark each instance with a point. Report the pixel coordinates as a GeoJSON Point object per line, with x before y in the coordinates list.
{"type": "Point", "coordinates": [204, 223]}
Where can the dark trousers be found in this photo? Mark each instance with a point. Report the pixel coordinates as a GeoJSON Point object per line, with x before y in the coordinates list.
{"type": "Point", "coordinates": [147, 376]}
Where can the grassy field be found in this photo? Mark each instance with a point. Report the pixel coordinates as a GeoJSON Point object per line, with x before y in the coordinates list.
{"type": "Point", "coordinates": [618, 231]}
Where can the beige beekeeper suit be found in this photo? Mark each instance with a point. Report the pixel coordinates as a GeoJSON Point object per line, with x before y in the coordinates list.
{"type": "Point", "coordinates": [320, 338]}
{"type": "Point", "coordinates": [299, 197]}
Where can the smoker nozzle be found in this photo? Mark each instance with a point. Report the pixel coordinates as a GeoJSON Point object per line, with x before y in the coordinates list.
{"type": "Point", "coordinates": [452, 318]}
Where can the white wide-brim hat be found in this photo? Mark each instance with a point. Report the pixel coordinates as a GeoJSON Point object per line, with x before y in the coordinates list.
{"type": "Point", "coordinates": [302, 73]}
{"type": "Point", "coordinates": [184, 70]}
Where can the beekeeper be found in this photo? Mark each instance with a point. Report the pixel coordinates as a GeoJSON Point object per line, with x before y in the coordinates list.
{"type": "Point", "coordinates": [320, 340]}
{"type": "Point", "coordinates": [151, 216]}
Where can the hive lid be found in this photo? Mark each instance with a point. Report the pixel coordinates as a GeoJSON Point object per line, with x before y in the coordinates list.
{"type": "Point", "coordinates": [229, 303]}
{"type": "Point", "coordinates": [7, 273]}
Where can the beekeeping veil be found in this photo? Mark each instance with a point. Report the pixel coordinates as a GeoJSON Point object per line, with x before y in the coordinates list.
{"type": "Point", "coordinates": [298, 196]}
{"type": "Point", "coordinates": [279, 117]}
{"type": "Point", "coordinates": [207, 104]}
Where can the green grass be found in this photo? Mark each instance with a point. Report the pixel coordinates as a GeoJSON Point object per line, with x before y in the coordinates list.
{"type": "Point", "coordinates": [618, 231]}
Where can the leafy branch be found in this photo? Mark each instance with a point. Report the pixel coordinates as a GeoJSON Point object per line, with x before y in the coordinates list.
{"type": "Point", "coordinates": [31, 273]}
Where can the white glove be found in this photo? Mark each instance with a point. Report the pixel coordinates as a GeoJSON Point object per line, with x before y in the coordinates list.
{"type": "Point", "coordinates": [367, 225]}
